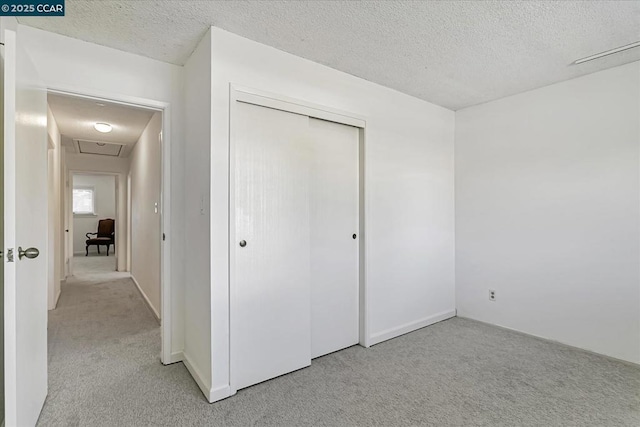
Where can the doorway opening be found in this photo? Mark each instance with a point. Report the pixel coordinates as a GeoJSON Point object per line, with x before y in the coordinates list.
{"type": "Point", "coordinates": [93, 225]}
{"type": "Point", "coordinates": [107, 281]}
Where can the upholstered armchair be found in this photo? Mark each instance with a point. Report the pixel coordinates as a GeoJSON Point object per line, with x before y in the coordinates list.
{"type": "Point", "coordinates": [105, 236]}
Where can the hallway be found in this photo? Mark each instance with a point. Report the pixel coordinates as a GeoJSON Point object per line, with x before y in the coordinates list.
{"type": "Point", "coordinates": [104, 346]}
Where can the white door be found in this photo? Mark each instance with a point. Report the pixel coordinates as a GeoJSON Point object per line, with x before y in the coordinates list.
{"type": "Point", "coordinates": [25, 226]}
{"type": "Point", "coordinates": [334, 236]}
{"type": "Point", "coordinates": [270, 316]}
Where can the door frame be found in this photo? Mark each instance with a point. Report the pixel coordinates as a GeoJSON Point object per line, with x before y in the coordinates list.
{"type": "Point", "coordinates": [121, 211]}
{"type": "Point", "coordinates": [241, 94]}
{"type": "Point", "coordinates": [166, 109]}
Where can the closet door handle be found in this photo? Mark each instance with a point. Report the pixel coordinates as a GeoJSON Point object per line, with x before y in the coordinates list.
{"type": "Point", "coordinates": [243, 243]}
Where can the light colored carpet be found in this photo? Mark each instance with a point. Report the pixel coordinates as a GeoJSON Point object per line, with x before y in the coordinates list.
{"type": "Point", "coordinates": [87, 267]}
{"type": "Point", "coordinates": [104, 370]}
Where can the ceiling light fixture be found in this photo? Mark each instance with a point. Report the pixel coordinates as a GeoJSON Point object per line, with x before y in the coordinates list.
{"type": "Point", "coordinates": [103, 127]}
{"type": "Point", "coordinates": [607, 53]}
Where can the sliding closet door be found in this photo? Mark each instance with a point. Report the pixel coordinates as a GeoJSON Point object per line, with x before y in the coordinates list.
{"type": "Point", "coordinates": [334, 250]}
{"type": "Point", "coordinates": [270, 319]}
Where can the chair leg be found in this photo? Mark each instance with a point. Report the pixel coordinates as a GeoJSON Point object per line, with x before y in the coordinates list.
{"type": "Point", "coordinates": [98, 246]}
{"type": "Point", "coordinates": [87, 249]}
{"type": "Point", "coordinates": [108, 246]}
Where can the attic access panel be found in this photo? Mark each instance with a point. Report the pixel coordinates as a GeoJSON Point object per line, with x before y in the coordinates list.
{"type": "Point", "coordinates": [99, 148]}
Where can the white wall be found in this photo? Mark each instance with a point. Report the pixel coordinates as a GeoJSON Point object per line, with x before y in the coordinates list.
{"type": "Point", "coordinates": [55, 216]}
{"type": "Point", "coordinates": [197, 340]}
{"type": "Point", "coordinates": [547, 212]}
{"type": "Point", "coordinates": [146, 175]}
{"type": "Point", "coordinates": [105, 207]}
{"type": "Point", "coordinates": [409, 189]}
{"type": "Point", "coordinates": [69, 64]}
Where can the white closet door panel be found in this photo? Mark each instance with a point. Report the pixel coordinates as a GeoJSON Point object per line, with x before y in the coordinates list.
{"type": "Point", "coordinates": [334, 252]}
{"type": "Point", "coordinates": [270, 319]}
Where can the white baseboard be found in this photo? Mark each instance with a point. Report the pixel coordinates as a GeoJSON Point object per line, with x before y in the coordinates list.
{"type": "Point", "coordinates": [410, 327]}
{"type": "Point", "coordinates": [211, 394]}
{"type": "Point", "coordinates": [216, 394]}
{"type": "Point", "coordinates": [146, 299]}
{"type": "Point", "coordinates": [176, 356]}
{"type": "Point", "coordinates": [57, 297]}
{"type": "Point", "coordinates": [539, 337]}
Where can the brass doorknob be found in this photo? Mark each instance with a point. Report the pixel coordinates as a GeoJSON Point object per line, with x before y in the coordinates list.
{"type": "Point", "coordinates": [29, 253]}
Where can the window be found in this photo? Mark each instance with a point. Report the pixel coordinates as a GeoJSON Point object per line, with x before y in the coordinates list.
{"type": "Point", "coordinates": [84, 201]}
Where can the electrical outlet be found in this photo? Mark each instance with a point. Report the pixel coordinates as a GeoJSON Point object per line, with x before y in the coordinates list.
{"type": "Point", "coordinates": [492, 295]}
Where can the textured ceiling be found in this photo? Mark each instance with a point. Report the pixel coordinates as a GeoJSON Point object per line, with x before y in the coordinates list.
{"type": "Point", "coordinates": [451, 53]}
{"type": "Point", "coordinates": [75, 118]}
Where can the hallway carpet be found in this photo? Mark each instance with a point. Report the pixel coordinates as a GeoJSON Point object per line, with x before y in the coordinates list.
{"type": "Point", "coordinates": [104, 370]}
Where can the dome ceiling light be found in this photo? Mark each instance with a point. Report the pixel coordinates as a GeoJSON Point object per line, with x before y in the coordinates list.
{"type": "Point", "coordinates": [103, 127]}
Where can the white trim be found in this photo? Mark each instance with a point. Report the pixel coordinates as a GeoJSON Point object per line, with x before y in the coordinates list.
{"type": "Point", "coordinates": [120, 210]}
{"type": "Point", "coordinates": [111, 97]}
{"type": "Point", "coordinates": [410, 327]}
{"type": "Point", "coordinates": [165, 230]}
{"type": "Point", "coordinates": [364, 198]}
{"type": "Point", "coordinates": [57, 296]}
{"type": "Point", "coordinates": [211, 394]}
{"type": "Point", "coordinates": [291, 105]}
{"type": "Point", "coordinates": [127, 261]}
{"type": "Point", "coordinates": [231, 207]}
{"type": "Point", "coordinates": [176, 356]}
{"type": "Point", "coordinates": [67, 226]}
{"type": "Point", "coordinates": [146, 299]}
{"type": "Point", "coordinates": [296, 106]}
{"type": "Point", "coordinates": [165, 194]}
{"type": "Point", "coordinates": [216, 394]}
